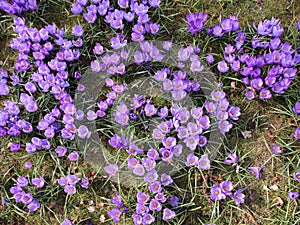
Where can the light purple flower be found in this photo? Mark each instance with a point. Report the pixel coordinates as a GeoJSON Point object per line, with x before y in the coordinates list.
{"type": "Point", "coordinates": [111, 169]}
{"type": "Point", "coordinates": [256, 171]}
{"type": "Point", "coordinates": [216, 193]}
{"type": "Point", "coordinates": [238, 197]}
{"type": "Point", "coordinates": [39, 182]}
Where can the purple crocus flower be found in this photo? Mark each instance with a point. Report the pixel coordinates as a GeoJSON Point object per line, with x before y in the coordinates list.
{"type": "Point", "coordinates": [216, 193]}
{"type": "Point", "coordinates": [27, 198]}
{"type": "Point", "coordinates": [115, 214]}
{"type": "Point", "coordinates": [297, 176]}
{"type": "Point", "coordinates": [111, 169]}
{"type": "Point", "coordinates": [70, 189]}
{"type": "Point", "coordinates": [168, 214]}
{"type": "Point", "coordinates": [191, 160]}
{"type": "Point", "coordinates": [83, 132]}
{"type": "Point", "coordinates": [66, 222]}
{"type": "Point", "coordinates": [210, 58]}
{"type": "Point", "coordinates": [61, 151]}
{"type": "Point", "coordinates": [297, 133]}
{"type": "Point", "coordinates": [155, 205]}
{"type": "Point", "coordinates": [296, 108]}
{"type": "Point", "coordinates": [39, 182]}
{"type": "Point", "coordinates": [77, 30]}
{"type": "Point", "coordinates": [192, 142]}
{"type": "Point", "coordinates": [223, 67]}
{"type": "Point", "coordinates": [238, 197]}
{"type": "Point", "coordinates": [203, 163]}
{"type": "Point", "coordinates": [76, 8]}
{"type": "Point", "coordinates": [142, 197]}
{"type": "Point", "coordinates": [22, 181]}
{"type": "Point", "coordinates": [226, 187]}
{"type": "Point", "coordinates": [231, 158]}
{"type": "Point", "coordinates": [33, 206]}
{"type": "Point", "coordinates": [84, 183]}
{"type": "Point", "coordinates": [73, 156]}
{"type": "Point", "coordinates": [14, 147]}
{"type": "Point", "coordinates": [27, 165]}
{"type": "Point", "coordinates": [139, 170]}
{"type": "Point", "coordinates": [256, 170]}
{"type": "Point", "coordinates": [166, 179]}
{"type": "Point", "coordinates": [224, 126]}
{"type": "Point", "coordinates": [293, 195]}
{"type": "Point", "coordinates": [276, 149]}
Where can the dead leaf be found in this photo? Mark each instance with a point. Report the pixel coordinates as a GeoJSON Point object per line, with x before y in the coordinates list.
{"type": "Point", "coordinates": [279, 202]}
{"type": "Point", "coordinates": [247, 134]}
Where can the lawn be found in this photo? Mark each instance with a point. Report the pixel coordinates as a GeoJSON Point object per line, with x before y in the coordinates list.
{"type": "Point", "coordinates": [238, 165]}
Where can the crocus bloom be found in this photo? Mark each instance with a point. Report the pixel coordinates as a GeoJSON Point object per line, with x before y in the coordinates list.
{"type": "Point", "coordinates": [223, 67]}
{"type": "Point", "coordinates": [293, 195]}
{"type": "Point", "coordinates": [203, 163]}
{"type": "Point", "coordinates": [73, 156]}
{"type": "Point", "coordinates": [226, 187]}
{"type": "Point", "coordinates": [297, 176]}
{"type": "Point", "coordinates": [111, 169]}
{"type": "Point", "coordinates": [296, 108]}
{"type": "Point", "coordinates": [38, 182]}
{"type": "Point", "coordinates": [216, 193]}
{"type": "Point", "coordinates": [168, 214]}
{"type": "Point", "coordinates": [238, 197]}
{"type": "Point", "coordinates": [256, 171]}
{"type": "Point", "coordinates": [77, 30]}
{"type": "Point", "coordinates": [115, 214]}
{"type": "Point", "coordinates": [33, 206]}
{"type": "Point", "coordinates": [231, 158]}
{"type": "Point", "coordinates": [276, 149]}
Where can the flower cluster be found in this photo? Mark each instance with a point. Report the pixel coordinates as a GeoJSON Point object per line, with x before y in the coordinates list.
{"type": "Point", "coordinates": [17, 6]}
{"type": "Point", "coordinates": [220, 191]}
{"type": "Point", "coordinates": [196, 22]}
{"type": "Point", "coordinates": [227, 25]}
{"type": "Point", "coordinates": [69, 183]}
{"type": "Point", "coordinates": [27, 198]}
{"type": "Point", "coordinates": [117, 212]}
{"type": "Point", "coordinates": [147, 205]}
{"type": "Point", "coordinates": [117, 18]}
{"type": "Point", "coordinates": [271, 66]}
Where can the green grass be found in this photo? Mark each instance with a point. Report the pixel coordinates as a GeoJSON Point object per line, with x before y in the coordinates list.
{"type": "Point", "coordinates": [269, 122]}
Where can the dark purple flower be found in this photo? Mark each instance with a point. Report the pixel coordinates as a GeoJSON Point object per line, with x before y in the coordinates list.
{"type": "Point", "coordinates": [293, 195]}
{"type": "Point", "coordinates": [14, 147]}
